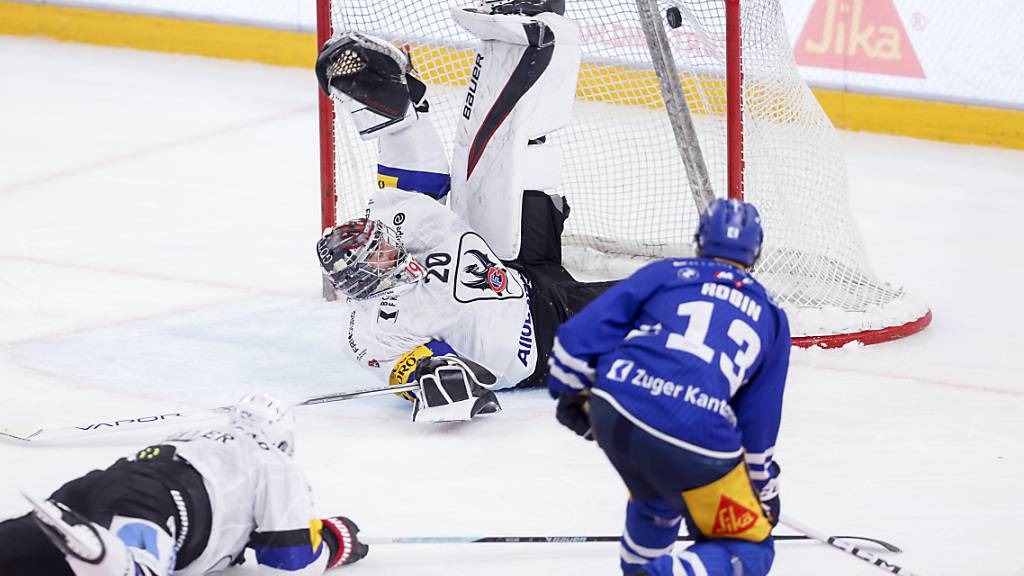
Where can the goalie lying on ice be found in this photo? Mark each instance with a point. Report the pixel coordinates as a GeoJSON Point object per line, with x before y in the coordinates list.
{"type": "Point", "coordinates": [190, 505]}
{"type": "Point", "coordinates": [481, 278]}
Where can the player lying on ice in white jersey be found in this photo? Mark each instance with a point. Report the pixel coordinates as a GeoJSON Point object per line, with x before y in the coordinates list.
{"type": "Point", "coordinates": [471, 292]}
{"type": "Point", "coordinates": [187, 506]}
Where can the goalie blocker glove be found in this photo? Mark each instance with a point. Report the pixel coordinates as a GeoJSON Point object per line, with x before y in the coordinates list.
{"type": "Point", "coordinates": [374, 80]}
{"type": "Point", "coordinates": [453, 389]}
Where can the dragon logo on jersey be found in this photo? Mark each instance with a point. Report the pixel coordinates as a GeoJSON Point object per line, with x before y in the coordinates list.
{"type": "Point", "coordinates": [479, 274]}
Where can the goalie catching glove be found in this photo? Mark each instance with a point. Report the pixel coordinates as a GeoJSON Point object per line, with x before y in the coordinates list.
{"type": "Point", "coordinates": [374, 80]}
{"type": "Point", "coordinates": [452, 389]}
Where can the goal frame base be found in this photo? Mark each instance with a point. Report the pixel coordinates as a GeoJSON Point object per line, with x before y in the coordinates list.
{"type": "Point", "coordinates": [865, 337]}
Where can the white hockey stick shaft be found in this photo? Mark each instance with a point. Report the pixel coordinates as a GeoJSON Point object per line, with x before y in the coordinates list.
{"type": "Point", "coordinates": [847, 547]}
{"type": "Point", "coordinates": [150, 421]}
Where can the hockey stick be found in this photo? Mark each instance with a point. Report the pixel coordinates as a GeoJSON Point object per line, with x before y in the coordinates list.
{"type": "Point", "coordinates": [835, 542]}
{"type": "Point", "coordinates": [373, 540]}
{"type": "Point", "coordinates": [154, 420]}
{"type": "Point", "coordinates": [680, 119]}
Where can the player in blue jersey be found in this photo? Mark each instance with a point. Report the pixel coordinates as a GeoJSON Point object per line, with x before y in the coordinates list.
{"type": "Point", "coordinates": [678, 373]}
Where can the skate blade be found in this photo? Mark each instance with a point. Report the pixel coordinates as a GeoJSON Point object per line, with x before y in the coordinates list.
{"type": "Point", "coordinates": [78, 540]}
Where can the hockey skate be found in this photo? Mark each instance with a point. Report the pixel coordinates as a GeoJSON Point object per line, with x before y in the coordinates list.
{"type": "Point", "coordinates": [94, 550]}
{"type": "Point", "coordinates": [70, 532]}
{"type": "Point", "coordinates": [522, 7]}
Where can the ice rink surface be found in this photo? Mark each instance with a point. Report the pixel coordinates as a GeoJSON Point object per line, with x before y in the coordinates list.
{"type": "Point", "coordinates": [157, 221]}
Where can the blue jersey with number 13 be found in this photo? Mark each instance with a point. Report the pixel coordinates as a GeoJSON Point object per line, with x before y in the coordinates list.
{"type": "Point", "coordinates": [692, 350]}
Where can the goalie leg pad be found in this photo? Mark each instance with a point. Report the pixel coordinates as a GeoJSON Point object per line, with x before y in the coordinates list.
{"type": "Point", "coordinates": [521, 88]}
{"type": "Point", "coordinates": [544, 162]}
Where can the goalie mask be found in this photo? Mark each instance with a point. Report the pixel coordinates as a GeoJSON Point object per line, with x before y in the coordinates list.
{"type": "Point", "coordinates": [364, 258]}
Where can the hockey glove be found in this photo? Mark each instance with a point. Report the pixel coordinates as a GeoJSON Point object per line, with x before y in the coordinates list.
{"type": "Point", "coordinates": [453, 389]}
{"type": "Point", "coordinates": [342, 537]}
{"type": "Point", "coordinates": [770, 494]}
{"type": "Point", "coordinates": [374, 79]}
{"type": "Point", "coordinates": [573, 413]}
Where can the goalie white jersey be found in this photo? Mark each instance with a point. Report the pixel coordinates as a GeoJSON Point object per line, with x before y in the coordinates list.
{"type": "Point", "coordinates": [253, 488]}
{"type": "Point", "coordinates": [466, 297]}
{"type": "Point", "coordinates": [524, 79]}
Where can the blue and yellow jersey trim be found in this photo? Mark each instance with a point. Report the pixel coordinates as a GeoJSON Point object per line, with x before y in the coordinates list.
{"type": "Point", "coordinates": [404, 370]}
{"type": "Point", "coordinates": [289, 550]}
{"type": "Point", "coordinates": [433, 184]}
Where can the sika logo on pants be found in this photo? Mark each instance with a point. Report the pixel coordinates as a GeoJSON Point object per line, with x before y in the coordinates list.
{"type": "Point", "coordinates": [858, 36]}
{"type": "Point", "coordinates": [732, 518]}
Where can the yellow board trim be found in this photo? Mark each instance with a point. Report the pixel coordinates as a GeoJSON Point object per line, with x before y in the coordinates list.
{"type": "Point", "coordinates": [230, 41]}
{"type": "Point", "coordinates": [941, 121]}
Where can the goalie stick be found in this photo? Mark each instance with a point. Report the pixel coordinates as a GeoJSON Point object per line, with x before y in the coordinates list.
{"type": "Point", "coordinates": [373, 540]}
{"type": "Point", "coordinates": [152, 420]}
{"type": "Point", "coordinates": [838, 544]}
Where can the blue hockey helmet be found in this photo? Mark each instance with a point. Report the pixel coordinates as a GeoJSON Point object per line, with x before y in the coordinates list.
{"type": "Point", "coordinates": [730, 229]}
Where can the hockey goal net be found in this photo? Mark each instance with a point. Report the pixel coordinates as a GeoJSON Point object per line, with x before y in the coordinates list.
{"type": "Point", "coordinates": [756, 132]}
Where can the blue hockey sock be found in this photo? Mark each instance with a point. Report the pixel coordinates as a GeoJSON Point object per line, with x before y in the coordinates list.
{"type": "Point", "coordinates": [717, 558]}
{"type": "Point", "coordinates": [651, 531]}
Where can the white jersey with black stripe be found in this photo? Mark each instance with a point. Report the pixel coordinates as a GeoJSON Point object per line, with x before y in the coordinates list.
{"type": "Point", "coordinates": [253, 487]}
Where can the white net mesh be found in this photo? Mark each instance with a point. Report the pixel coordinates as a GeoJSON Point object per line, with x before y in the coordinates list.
{"type": "Point", "coordinates": [623, 175]}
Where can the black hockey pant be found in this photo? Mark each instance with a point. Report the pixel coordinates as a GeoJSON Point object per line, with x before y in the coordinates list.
{"type": "Point", "coordinates": [138, 489]}
{"type": "Point", "coordinates": [555, 296]}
